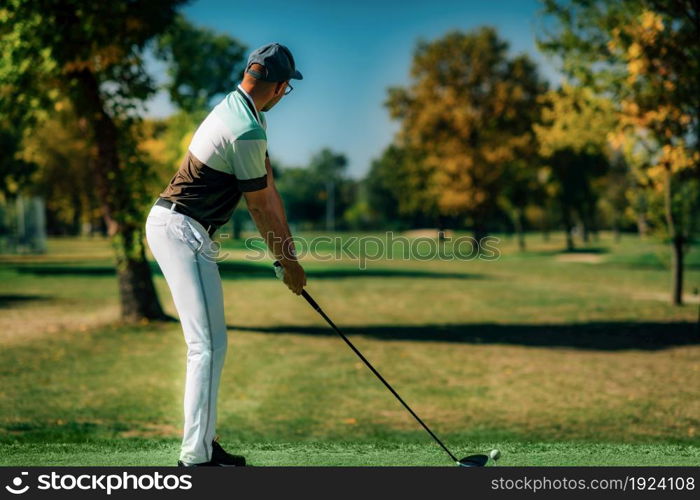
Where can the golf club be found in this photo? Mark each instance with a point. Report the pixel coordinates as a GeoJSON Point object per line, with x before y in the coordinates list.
{"type": "Point", "coordinates": [470, 461]}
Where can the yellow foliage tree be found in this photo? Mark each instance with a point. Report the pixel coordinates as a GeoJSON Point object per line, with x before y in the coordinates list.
{"type": "Point", "coordinates": [656, 116]}
{"type": "Point", "coordinates": [466, 115]}
{"type": "Point", "coordinates": [645, 54]}
{"type": "Point", "coordinates": [572, 136]}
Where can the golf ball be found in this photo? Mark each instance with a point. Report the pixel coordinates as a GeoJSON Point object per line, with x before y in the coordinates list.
{"type": "Point", "coordinates": [495, 454]}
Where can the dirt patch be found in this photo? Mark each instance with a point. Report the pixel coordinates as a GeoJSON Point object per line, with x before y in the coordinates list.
{"type": "Point", "coordinates": [152, 431]}
{"type": "Point", "coordinates": [666, 297]}
{"type": "Point", "coordinates": [586, 258]}
{"type": "Point", "coordinates": [426, 233]}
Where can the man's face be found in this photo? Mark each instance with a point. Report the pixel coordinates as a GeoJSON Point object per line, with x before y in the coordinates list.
{"type": "Point", "coordinates": [276, 97]}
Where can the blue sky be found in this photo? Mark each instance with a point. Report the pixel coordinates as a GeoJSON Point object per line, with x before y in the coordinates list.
{"type": "Point", "coordinates": [350, 52]}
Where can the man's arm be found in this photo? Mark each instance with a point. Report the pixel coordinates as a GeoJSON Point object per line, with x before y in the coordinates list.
{"type": "Point", "coordinates": [276, 194]}
{"type": "Point", "coordinates": [267, 210]}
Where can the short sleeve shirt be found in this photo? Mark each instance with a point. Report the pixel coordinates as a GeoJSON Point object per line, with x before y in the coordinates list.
{"type": "Point", "coordinates": [225, 158]}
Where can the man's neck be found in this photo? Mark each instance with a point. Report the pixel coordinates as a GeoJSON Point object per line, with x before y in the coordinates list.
{"type": "Point", "coordinates": [255, 96]}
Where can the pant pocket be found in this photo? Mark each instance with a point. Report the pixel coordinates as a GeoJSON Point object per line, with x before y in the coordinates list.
{"type": "Point", "coordinates": [155, 221]}
{"type": "Point", "coordinates": [181, 229]}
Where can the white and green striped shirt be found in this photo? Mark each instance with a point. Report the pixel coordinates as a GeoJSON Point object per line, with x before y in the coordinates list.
{"type": "Point", "coordinates": [232, 138]}
{"type": "Point", "coordinates": [225, 158]}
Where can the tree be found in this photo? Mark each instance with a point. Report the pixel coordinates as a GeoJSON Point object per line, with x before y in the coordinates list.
{"type": "Point", "coordinates": [201, 64]}
{"type": "Point", "coordinates": [573, 138]}
{"type": "Point", "coordinates": [329, 168]}
{"type": "Point", "coordinates": [93, 54]}
{"type": "Point", "coordinates": [466, 115]}
{"type": "Point", "coordinates": [317, 191]}
{"type": "Point", "coordinates": [617, 187]}
{"type": "Point", "coordinates": [521, 189]}
{"type": "Point", "coordinates": [61, 152]}
{"type": "Point", "coordinates": [15, 172]}
{"type": "Point", "coordinates": [645, 54]}
{"type": "Point", "coordinates": [399, 189]}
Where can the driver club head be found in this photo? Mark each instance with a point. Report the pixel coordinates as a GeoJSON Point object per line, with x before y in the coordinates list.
{"type": "Point", "coordinates": [474, 461]}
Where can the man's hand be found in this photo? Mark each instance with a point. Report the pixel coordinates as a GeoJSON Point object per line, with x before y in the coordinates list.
{"type": "Point", "coordinates": [294, 275]}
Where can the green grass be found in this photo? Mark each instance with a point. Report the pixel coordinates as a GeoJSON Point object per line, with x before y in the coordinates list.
{"type": "Point", "coordinates": [351, 454]}
{"type": "Point", "coordinates": [556, 358]}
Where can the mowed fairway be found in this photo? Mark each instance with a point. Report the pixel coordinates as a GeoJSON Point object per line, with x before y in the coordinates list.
{"type": "Point", "coordinates": [555, 358]}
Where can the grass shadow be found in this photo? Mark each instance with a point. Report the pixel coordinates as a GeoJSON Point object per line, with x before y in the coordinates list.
{"type": "Point", "coordinates": [595, 250]}
{"type": "Point", "coordinates": [66, 270]}
{"type": "Point", "coordinates": [236, 270]}
{"type": "Point", "coordinates": [600, 336]}
{"type": "Point", "coordinates": [241, 270]}
{"type": "Point", "coordinates": [573, 251]}
{"type": "Point", "coordinates": [70, 431]}
{"type": "Point", "coordinates": [10, 299]}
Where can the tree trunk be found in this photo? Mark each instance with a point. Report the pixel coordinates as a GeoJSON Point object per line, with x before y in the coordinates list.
{"type": "Point", "coordinates": [237, 224]}
{"type": "Point", "coordinates": [479, 232]}
{"type": "Point", "coordinates": [441, 228]}
{"type": "Point", "coordinates": [568, 229]}
{"type": "Point", "coordinates": [585, 232]}
{"type": "Point", "coordinates": [677, 242]}
{"type": "Point", "coordinates": [642, 226]}
{"type": "Point", "coordinates": [75, 224]}
{"type": "Point", "coordinates": [617, 222]}
{"type": "Point", "coordinates": [125, 227]}
{"type": "Point", "coordinates": [677, 269]}
{"type": "Point", "coordinates": [519, 223]}
{"type": "Point", "coordinates": [139, 299]}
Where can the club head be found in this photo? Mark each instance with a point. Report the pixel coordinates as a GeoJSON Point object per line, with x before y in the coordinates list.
{"type": "Point", "coordinates": [474, 461]}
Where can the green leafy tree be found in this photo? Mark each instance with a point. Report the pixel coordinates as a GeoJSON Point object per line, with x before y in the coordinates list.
{"type": "Point", "coordinates": [399, 191]}
{"type": "Point", "coordinates": [62, 154]}
{"type": "Point", "coordinates": [93, 54]}
{"type": "Point", "coordinates": [616, 188]}
{"type": "Point", "coordinates": [319, 191]}
{"type": "Point", "coordinates": [201, 64]}
{"type": "Point", "coordinates": [521, 189]}
{"type": "Point", "coordinates": [328, 168]}
{"type": "Point", "coordinates": [15, 172]}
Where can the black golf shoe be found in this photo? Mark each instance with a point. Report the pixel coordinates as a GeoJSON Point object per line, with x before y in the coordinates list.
{"type": "Point", "coordinates": [180, 463]}
{"type": "Point", "coordinates": [219, 458]}
{"type": "Point", "coordinates": [225, 459]}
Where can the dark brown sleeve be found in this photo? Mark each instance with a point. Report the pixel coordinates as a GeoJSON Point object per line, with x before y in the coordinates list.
{"type": "Point", "coordinates": [247, 185]}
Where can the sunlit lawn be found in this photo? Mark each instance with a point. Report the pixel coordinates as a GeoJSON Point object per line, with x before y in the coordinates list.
{"type": "Point", "coordinates": [556, 358]}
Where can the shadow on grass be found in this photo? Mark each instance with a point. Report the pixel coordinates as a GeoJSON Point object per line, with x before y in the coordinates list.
{"type": "Point", "coordinates": [573, 251]}
{"type": "Point", "coordinates": [233, 270]}
{"type": "Point", "coordinates": [237, 270]}
{"type": "Point", "coordinates": [69, 431]}
{"type": "Point", "coordinates": [603, 336]}
{"type": "Point", "coordinates": [12, 299]}
{"type": "Point", "coordinates": [66, 270]}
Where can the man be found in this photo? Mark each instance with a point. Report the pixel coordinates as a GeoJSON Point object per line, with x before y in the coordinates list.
{"type": "Point", "coordinates": [227, 159]}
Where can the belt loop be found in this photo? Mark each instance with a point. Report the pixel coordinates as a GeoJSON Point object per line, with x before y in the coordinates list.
{"type": "Point", "coordinates": [172, 208]}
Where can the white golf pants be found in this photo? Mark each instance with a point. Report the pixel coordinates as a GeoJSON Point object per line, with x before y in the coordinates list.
{"type": "Point", "coordinates": [183, 250]}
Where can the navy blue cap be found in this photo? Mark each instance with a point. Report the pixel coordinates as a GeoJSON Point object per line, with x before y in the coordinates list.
{"type": "Point", "coordinates": [278, 62]}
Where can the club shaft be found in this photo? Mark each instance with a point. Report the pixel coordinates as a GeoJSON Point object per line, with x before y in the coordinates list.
{"type": "Point", "coordinates": [318, 309]}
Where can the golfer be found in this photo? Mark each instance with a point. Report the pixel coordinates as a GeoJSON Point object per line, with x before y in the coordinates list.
{"type": "Point", "coordinates": [227, 159]}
